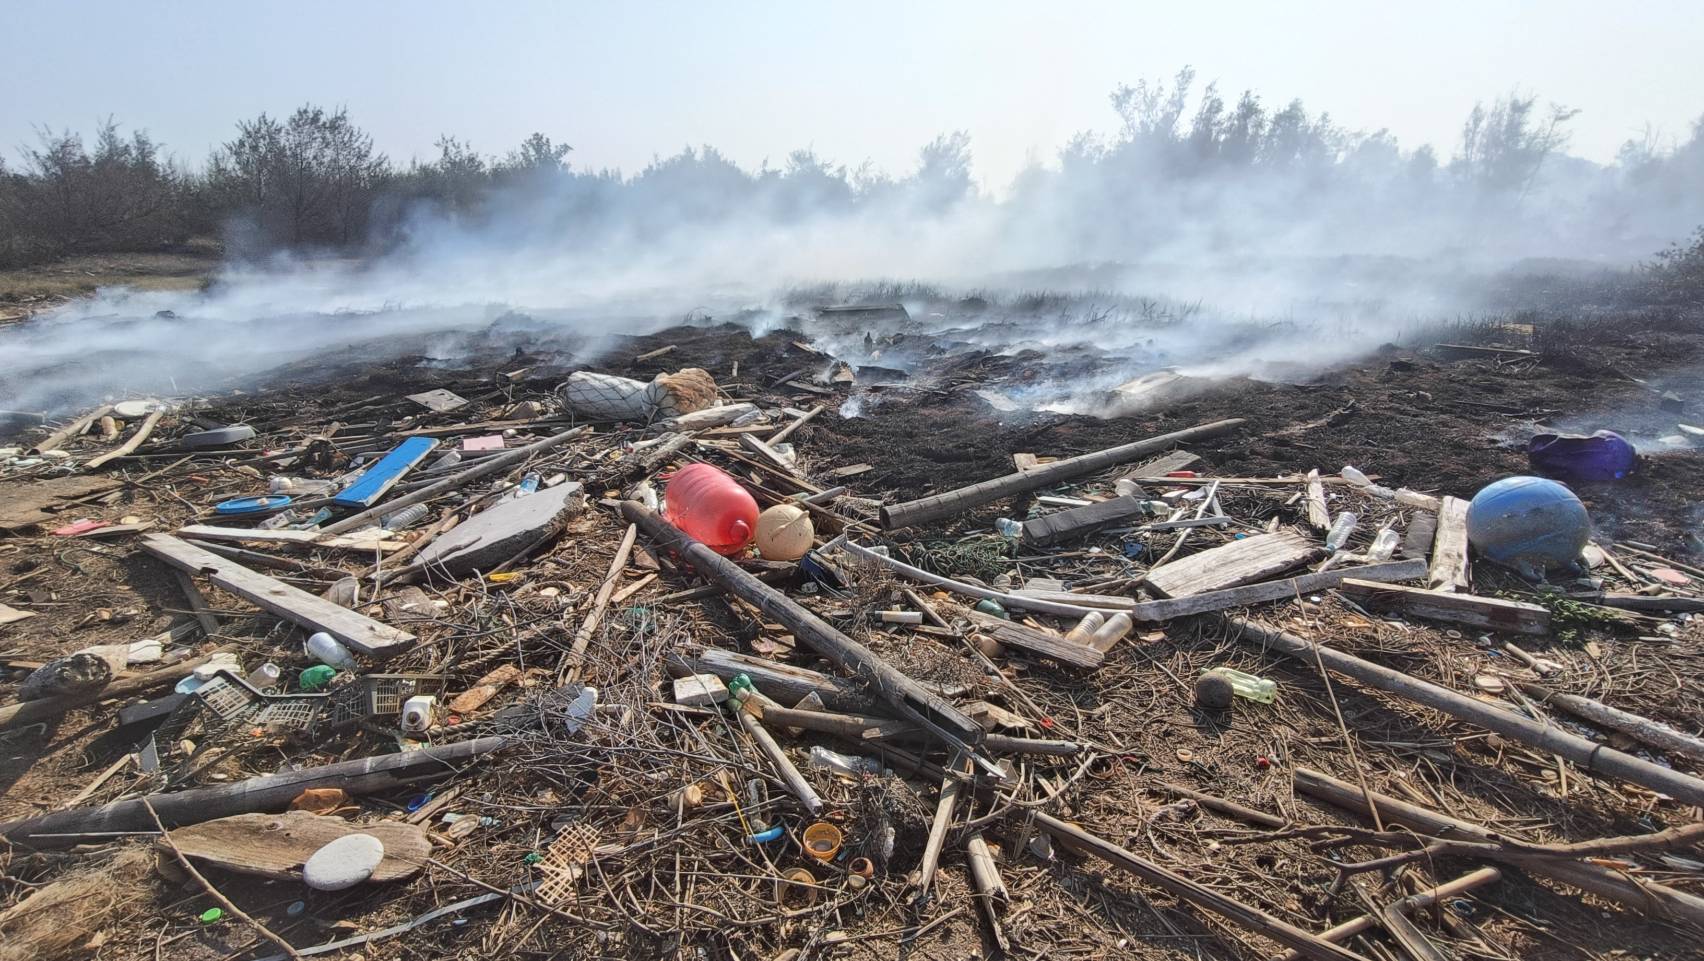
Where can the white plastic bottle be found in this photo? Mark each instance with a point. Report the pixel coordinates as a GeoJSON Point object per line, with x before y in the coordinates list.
{"type": "Point", "coordinates": [1340, 531]}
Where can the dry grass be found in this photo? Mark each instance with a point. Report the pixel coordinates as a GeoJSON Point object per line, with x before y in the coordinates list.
{"type": "Point", "coordinates": [45, 284]}
{"type": "Point", "coordinates": [41, 928]}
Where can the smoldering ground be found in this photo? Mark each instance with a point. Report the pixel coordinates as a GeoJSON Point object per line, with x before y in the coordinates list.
{"type": "Point", "coordinates": [1241, 240]}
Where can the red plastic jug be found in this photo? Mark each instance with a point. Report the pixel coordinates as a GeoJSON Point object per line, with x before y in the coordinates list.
{"type": "Point", "coordinates": [711, 507]}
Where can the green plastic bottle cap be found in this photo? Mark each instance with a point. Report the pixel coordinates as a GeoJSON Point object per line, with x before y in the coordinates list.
{"type": "Point", "coordinates": [533, 857]}
{"type": "Point", "coordinates": [211, 915]}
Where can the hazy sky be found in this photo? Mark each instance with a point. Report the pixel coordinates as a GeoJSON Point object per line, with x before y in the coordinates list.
{"type": "Point", "coordinates": [860, 81]}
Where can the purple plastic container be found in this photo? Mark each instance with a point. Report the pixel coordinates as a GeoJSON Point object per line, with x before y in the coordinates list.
{"type": "Point", "coordinates": [1604, 456]}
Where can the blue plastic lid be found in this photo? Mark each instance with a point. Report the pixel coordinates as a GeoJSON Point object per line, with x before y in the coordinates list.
{"type": "Point", "coordinates": [249, 505]}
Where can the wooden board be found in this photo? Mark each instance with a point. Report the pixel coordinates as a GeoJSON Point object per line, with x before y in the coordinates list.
{"type": "Point", "coordinates": [22, 505]}
{"type": "Point", "coordinates": [293, 604]}
{"type": "Point", "coordinates": [1042, 643]}
{"type": "Point", "coordinates": [1149, 611]}
{"type": "Point", "coordinates": [850, 470]}
{"type": "Point", "coordinates": [1100, 602]}
{"type": "Point", "coordinates": [367, 540]}
{"type": "Point", "coordinates": [373, 483]}
{"type": "Point", "coordinates": [1449, 548]}
{"type": "Point", "coordinates": [1318, 516]}
{"type": "Point", "coordinates": [1161, 466]}
{"type": "Point", "coordinates": [439, 401]}
{"type": "Point", "coordinates": [1488, 612]}
{"type": "Point", "coordinates": [1229, 565]}
{"type": "Point", "coordinates": [485, 689]}
{"type": "Point", "coordinates": [276, 845]}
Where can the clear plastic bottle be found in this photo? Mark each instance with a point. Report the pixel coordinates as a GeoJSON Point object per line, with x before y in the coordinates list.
{"type": "Point", "coordinates": [1125, 487]}
{"type": "Point", "coordinates": [1250, 686]}
{"type": "Point", "coordinates": [326, 649]}
{"type": "Point", "coordinates": [447, 461]}
{"type": "Point", "coordinates": [1109, 633]}
{"type": "Point", "coordinates": [529, 483]}
{"type": "Point", "coordinates": [299, 486]}
{"type": "Point", "coordinates": [1340, 531]}
{"type": "Point", "coordinates": [1384, 545]}
{"type": "Point", "coordinates": [1009, 529]}
{"type": "Point", "coordinates": [279, 521]}
{"type": "Point", "coordinates": [405, 518]}
{"type": "Point", "coordinates": [1086, 627]}
{"type": "Point", "coordinates": [844, 763]}
{"type": "Point", "coordinates": [1365, 483]}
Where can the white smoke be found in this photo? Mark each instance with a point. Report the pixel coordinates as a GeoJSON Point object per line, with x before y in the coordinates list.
{"type": "Point", "coordinates": [1217, 270]}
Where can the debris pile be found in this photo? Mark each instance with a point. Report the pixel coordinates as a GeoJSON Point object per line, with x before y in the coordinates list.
{"type": "Point", "coordinates": [581, 664]}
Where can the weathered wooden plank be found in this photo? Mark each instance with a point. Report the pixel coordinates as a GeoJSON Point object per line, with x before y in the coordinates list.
{"type": "Point", "coordinates": [1229, 565]}
{"type": "Point", "coordinates": [1422, 529]}
{"type": "Point", "coordinates": [355, 630]}
{"type": "Point", "coordinates": [1489, 612]}
{"type": "Point", "coordinates": [372, 484]}
{"type": "Point", "coordinates": [1272, 590]}
{"type": "Point", "coordinates": [374, 539]}
{"type": "Point", "coordinates": [276, 845]}
{"type": "Point", "coordinates": [1100, 602]}
{"type": "Point", "coordinates": [1042, 643]}
{"type": "Point", "coordinates": [1161, 466]}
{"type": "Point", "coordinates": [1318, 516]}
{"type": "Point", "coordinates": [1449, 548]}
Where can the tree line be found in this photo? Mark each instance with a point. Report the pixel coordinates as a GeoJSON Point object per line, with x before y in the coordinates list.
{"type": "Point", "coordinates": [314, 180]}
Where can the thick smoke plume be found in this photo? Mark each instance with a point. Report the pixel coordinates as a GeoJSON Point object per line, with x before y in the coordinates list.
{"type": "Point", "coordinates": [1220, 238]}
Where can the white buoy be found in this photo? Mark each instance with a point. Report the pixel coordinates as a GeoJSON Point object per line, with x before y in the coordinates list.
{"type": "Point", "coordinates": [784, 532]}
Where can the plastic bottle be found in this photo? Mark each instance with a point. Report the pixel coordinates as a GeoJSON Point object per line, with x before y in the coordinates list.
{"type": "Point", "coordinates": [1340, 531]}
{"type": "Point", "coordinates": [447, 461]}
{"type": "Point", "coordinates": [299, 486]}
{"type": "Point", "coordinates": [844, 764]}
{"type": "Point", "coordinates": [1250, 686]}
{"type": "Point", "coordinates": [1086, 627]}
{"type": "Point", "coordinates": [405, 518]}
{"type": "Point", "coordinates": [326, 649]}
{"type": "Point", "coordinates": [1384, 545]}
{"type": "Point", "coordinates": [1125, 487]}
{"type": "Point", "coordinates": [529, 483]}
{"type": "Point", "coordinates": [320, 517]}
{"type": "Point", "coordinates": [279, 521]}
{"type": "Point", "coordinates": [1108, 633]}
{"type": "Point", "coordinates": [1009, 529]}
{"type": "Point", "coordinates": [1366, 484]}
{"type": "Point", "coordinates": [712, 507]}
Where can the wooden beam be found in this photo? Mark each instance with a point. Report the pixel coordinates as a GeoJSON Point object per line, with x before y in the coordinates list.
{"type": "Point", "coordinates": [1042, 643]}
{"type": "Point", "coordinates": [1250, 918]}
{"type": "Point", "coordinates": [1544, 735]}
{"type": "Point", "coordinates": [939, 506]}
{"type": "Point", "coordinates": [73, 429]}
{"type": "Point", "coordinates": [1165, 610]}
{"type": "Point", "coordinates": [907, 696]}
{"type": "Point", "coordinates": [270, 792]}
{"type": "Point", "coordinates": [380, 540]}
{"type": "Point", "coordinates": [134, 442]}
{"type": "Point", "coordinates": [1231, 564]}
{"type": "Point", "coordinates": [1449, 548]}
{"type": "Point", "coordinates": [1488, 612]}
{"type": "Point", "coordinates": [293, 604]}
{"type": "Point", "coordinates": [1643, 729]}
{"type": "Point", "coordinates": [1646, 897]}
{"type": "Point", "coordinates": [1318, 516]}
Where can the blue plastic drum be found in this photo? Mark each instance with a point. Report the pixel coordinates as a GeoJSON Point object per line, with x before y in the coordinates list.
{"type": "Point", "coordinates": [1528, 523]}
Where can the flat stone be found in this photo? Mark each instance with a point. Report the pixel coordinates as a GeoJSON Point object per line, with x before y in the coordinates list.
{"type": "Point", "coordinates": [344, 863]}
{"type": "Point", "coordinates": [492, 536]}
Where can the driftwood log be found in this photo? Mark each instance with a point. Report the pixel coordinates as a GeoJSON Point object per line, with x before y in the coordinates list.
{"type": "Point", "coordinates": [1648, 897]}
{"type": "Point", "coordinates": [1548, 738]}
{"type": "Point", "coordinates": [908, 697]}
{"type": "Point", "coordinates": [273, 792]}
{"type": "Point", "coordinates": [938, 506]}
